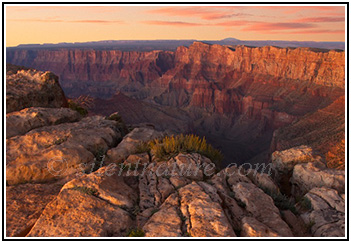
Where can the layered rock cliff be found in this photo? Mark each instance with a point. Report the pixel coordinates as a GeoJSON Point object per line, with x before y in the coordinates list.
{"type": "Point", "coordinates": [216, 91]}
{"type": "Point", "coordinates": [69, 176]}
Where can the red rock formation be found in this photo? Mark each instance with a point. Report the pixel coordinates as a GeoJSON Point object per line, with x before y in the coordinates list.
{"type": "Point", "coordinates": [268, 86]}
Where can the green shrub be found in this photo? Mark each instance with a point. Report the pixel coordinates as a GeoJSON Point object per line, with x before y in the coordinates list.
{"type": "Point", "coordinates": [281, 201]}
{"type": "Point", "coordinates": [74, 106]}
{"type": "Point", "coordinates": [305, 203]}
{"type": "Point", "coordinates": [115, 117]}
{"type": "Point", "coordinates": [136, 233]}
{"type": "Point", "coordinates": [143, 148]}
{"type": "Point", "coordinates": [309, 225]}
{"type": "Point", "coordinates": [170, 146]}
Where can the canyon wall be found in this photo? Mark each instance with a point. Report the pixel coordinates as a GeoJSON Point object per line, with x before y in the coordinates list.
{"type": "Point", "coordinates": [234, 95]}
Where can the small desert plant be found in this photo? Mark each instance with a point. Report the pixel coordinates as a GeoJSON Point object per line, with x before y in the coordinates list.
{"type": "Point", "coordinates": [136, 233]}
{"type": "Point", "coordinates": [143, 147]}
{"type": "Point", "coordinates": [305, 203]}
{"type": "Point", "coordinates": [84, 101]}
{"type": "Point", "coordinates": [86, 190]}
{"type": "Point", "coordinates": [115, 117]}
{"type": "Point", "coordinates": [309, 225]}
{"type": "Point", "coordinates": [170, 146]}
{"type": "Point", "coordinates": [74, 106]}
{"type": "Point", "coordinates": [335, 157]}
{"type": "Point", "coordinates": [281, 201]}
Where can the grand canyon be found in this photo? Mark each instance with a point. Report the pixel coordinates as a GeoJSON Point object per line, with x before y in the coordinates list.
{"type": "Point", "coordinates": [93, 129]}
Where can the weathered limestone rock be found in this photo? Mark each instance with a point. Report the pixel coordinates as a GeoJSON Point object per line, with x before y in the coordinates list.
{"type": "Point", "coordinates": [130, 142]}
{"type": "Point", "coordinates": [166, 222]}
{"type": "Point", "coordinates": [261, 206]}
{"type": "Point", "coordinates": [235, 175]}
{"type": "Point", "coordinates": [25, 203]}
{"type": "Point", "coordinates": [295, 223]}
{"type": "Point", "coordinates": [32, 88]}
{"type": "Point", "coordinates": [139, 160]}
{"type": "Point", "coordinates": [262, 180]}
{"type": "Point", "coordinates": [109, 185]}
{"type": "Point", "coordinates": [327, 217]}
{"type": "Point", "coordinates": [20, 122]}
{"type": "Point", "coordinates": [327, 223]}
{"type": "Point", "coordinates": [77, 213]}
{"type": "Point", "coordinates": [251, 227]}
{"type": "Point", "coordinates": [233, 211]}
{"type": "Point", "coordinates": [204, 217]}
{"type": "Point", "coordinates": [284, 161]}
{"type": "Point", "coordinates": [330, 196]}
{"type": "Point", "coordinates": [53, 152]}
{"type": "Point", "coordinates": [310, 175]}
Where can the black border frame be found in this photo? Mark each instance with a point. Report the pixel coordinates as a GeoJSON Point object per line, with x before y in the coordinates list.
{"type": "Point", "coordinates": [182, 238]}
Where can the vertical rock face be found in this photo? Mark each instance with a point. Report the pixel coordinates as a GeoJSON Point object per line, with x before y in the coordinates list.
{"type": "Point", "coordinates": [79, 68]}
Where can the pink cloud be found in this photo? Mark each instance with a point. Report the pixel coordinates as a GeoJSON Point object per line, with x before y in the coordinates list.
{"type": "Point", "coordinates": [172, 23]}
{"type": "Point", "coordinates": [206, 13]}
{"type": "Point", "coordinates": [88, 21]}
{"type": "Point", "coordinates": [235, 23]}
{"type": "Point", "coordinates": [321, 19]}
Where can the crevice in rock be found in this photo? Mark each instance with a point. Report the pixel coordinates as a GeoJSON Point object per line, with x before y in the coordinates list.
{"type": "Point", "coordinates": [25, 231]}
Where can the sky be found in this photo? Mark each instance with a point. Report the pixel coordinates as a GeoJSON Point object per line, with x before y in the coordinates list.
{"type": "Point", "coordinates": [36, 24]}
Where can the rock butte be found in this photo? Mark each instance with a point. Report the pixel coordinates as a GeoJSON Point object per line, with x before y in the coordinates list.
{"type": "Point", "coordinates": [230, 202]}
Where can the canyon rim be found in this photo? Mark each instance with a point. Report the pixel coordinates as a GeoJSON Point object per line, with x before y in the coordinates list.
{"type": "Point", "coordinates": [168, 128]}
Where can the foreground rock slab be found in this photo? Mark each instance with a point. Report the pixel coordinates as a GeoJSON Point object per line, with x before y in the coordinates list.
{"type": "Point", "coordinates": [21, 122]}
{"type": "Point", "coordinates": [75, 213]}
{"type": "Point", "coordinates": [53, 152]}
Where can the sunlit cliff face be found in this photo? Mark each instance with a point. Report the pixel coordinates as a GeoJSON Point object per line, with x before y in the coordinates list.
{"type": "Point", "coordinates": [236, 96]}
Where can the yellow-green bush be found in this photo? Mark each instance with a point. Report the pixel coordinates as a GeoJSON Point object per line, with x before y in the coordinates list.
{"type": "Point", "coordinates": [74, 106]}
{"type": "Point", "coordinates": [170, 146]}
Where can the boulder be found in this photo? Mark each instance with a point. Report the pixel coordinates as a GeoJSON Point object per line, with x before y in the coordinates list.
{"type": "Point", "coordinates": [310, 175]}
{"type": "Point", "coordinates": [32, 88]}
{"type": "Point", "coordinates": [284, 161]}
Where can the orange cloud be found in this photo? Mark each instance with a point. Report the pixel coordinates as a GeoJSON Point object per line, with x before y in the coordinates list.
{"type": "Point", "coordinates": [206, 13]}
{"type": "Point", "coordinates": [88, 21]}
{"type": "Point", "coordinates": [172, 23]}
{"type": "Point", "coordinates": [91, 9]}
{"type": "Point", "coordinates": [235, 23]}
